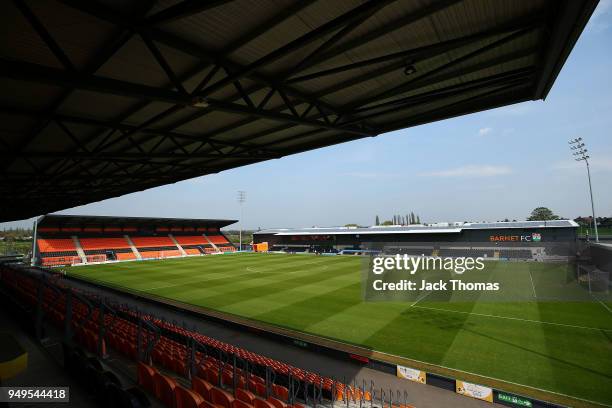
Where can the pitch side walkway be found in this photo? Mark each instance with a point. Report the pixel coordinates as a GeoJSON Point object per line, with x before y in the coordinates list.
{"type": "Point", "coordinates": [422, 396]}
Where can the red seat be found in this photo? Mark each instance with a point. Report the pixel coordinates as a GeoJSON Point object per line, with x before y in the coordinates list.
{"type": "Point", "coordinates": [227, 378]}
{"type": "Point", "coordinates": [207, 404]}
{"type": "Point", "coordinates": [259, 403]}
{"type": "Point", "coordinates": [245, 395]}
{"type": "Point", "coordinates": [276, 402]}
{"type": "Point", "coordinates": [241, 404]}
{"type": "Point", "coordinates": [212, 375]}
{"type": "Point", "coordinates": [146, 376]}
{"type": "Point", "coordinates": [186, 398]}
{"type": "Point", "coordinates": [280, 392]}
{"type": "Point", "coordinates": [260, 389]}
{"type": "Point", "coordinates": [220, 397]}
{"type": "Point", "coordinates": [167, 361]}
{"type": "Point", "coordinates": [202, 387]}
{"type": "Point", "coordinates": [164, 389]}
{"type": "Point", "coordinates": [179, 366]}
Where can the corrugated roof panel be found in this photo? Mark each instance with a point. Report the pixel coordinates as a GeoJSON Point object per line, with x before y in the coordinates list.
{"type": "Point", "coordinates": [134, 92]}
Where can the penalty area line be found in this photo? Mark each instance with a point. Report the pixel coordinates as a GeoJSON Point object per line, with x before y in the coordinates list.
{"type": "Point", "coordinates": [514, 318]}
{"type": "Point", "coordinates": [601, 303]}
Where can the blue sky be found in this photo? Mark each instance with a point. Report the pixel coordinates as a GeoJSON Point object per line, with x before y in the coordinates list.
{"type": "Point", "coordinates": [486, 166]}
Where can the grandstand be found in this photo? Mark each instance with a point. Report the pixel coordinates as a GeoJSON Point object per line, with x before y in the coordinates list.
{"type": "Point", "coordinates": [78, 240]}
{"type": "Point", "coordinates": [525, 240]}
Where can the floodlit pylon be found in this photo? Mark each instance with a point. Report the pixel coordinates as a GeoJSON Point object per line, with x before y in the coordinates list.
{"type": "Point", "coordinates": [579, 152]}
{"type": "Point", "coordinates": [241, 200]}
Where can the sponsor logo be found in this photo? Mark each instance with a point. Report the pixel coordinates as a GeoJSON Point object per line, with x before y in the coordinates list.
{"type": "Point", "coordinates": [535, 237]}
{"type": "Point", "coordinates": [515, 400]}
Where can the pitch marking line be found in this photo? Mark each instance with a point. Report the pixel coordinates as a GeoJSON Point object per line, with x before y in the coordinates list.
{"type": "Point", "coordinates": [532, 285]}
{"type": "Point", "coordinates": [515, 318]}
{"type": "Point", "coordinates": [317, 269]}
{"type": "Point", "coordinates": [602, 303]}
{"type": "Point", "coordinates": [421, 298]}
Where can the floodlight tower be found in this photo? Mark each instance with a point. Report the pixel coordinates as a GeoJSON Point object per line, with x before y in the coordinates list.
{"type": "Point", "coordinates": [580, 154]}
{"type": "Point", "coordinates": [241, 200]}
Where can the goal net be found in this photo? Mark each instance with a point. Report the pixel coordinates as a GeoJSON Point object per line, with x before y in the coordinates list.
{"type": "Point", "coordinates": [593, 279]}
{"type": "Point", "coordinates": [96, 258]}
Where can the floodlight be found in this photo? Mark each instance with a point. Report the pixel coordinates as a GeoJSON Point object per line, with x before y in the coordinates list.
{"type": "Point", "coordinates": [580, 154]}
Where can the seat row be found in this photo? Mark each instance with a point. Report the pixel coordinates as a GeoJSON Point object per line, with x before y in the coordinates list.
{"type": "Point", "coordinates": [173, 355]}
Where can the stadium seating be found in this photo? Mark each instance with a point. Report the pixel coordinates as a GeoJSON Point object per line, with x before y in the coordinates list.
{"type": "Point", "coordinates": [164, 389]}
{"type": "Point", "coordinates": [217, 239]}
{"type": "Point", "coordinates": [192, 251]}
{"type": "Point", "coordinates": [103, 243]}
{"type": "Point", "coordinates": [125, 256]}
{"type": "Point", "coordinates": [152, 242]}
{"type": "Point", "coordinates": [186, 398]}
{"type": "Point", "coordinates": [171, 352]}
{"type": "Point", "coordinates": [56, 245]}
{"type": "Point", "coordinates": [191, 240]}
{"type": "Point", "coordinates": [159, 254]}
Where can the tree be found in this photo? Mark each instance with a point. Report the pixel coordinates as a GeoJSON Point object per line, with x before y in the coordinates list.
{"type": "Point", "coordinates": [351, 225]}
{"type": "Point", "coordinates": [418, 219]}
{"type": "Point", "coordinates": [377, 220]}
{"type": "Point", "coordinates": [542, 214]}
{"type": "Point", "coordinates": [387, 222]}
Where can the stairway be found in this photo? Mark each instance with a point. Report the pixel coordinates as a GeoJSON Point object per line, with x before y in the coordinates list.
{"type": "Point", "coordinates": [180, 248]}
{"type": "Point", "coordinates": [79, 249]}
{"type": "Point", "coordinates": [211, 243]}
{"type": "Point", "coordinates": [134, 250]}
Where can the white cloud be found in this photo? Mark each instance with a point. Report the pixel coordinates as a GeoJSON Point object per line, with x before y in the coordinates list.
{"type": "Point", "coordinates": [473, 170]}
{"type": "Point", "coordinates": [485, 131]}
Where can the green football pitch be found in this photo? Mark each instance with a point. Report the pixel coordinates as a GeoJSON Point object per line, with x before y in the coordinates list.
{"type": "Point", "coordinates": [563, 347]}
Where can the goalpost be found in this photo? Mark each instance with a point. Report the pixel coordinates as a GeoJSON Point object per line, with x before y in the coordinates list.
{"type": "Point", "coordinates": [593, 279]}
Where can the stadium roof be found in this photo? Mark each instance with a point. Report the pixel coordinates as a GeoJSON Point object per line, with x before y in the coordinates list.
{"type": "Point", "coordinates": [58, 220]}
{"type": "Point", "coordinates": [102, 97]}
{"type": "Point", "coordinates": [420, 229]}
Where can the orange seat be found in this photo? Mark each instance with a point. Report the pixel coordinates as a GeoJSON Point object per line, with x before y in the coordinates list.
{"type": "Point", "coordinates": [280, 392]}
{"type": "Point", "coordinates": [221, 397]}
{"type": "Point", "coordinates": [276, 402]}
{"type": "Point", "coordinates": [202, 387]}
{"type": "Point", "coordinates": [186, 398]}
{"type": "Point", "coordinates": [145, 377]}
{"type": "Point", "coordinates": [241, 404]}
{"type": "Point", "coordinates": [259, 403]}
{"type": "Point", "coordinates": [260, 389]}
{"type": "Point", "coordinates": [245, 395]}
{"type": "Point", "coordinates": [208, 404]}
{"type": "Point", "coordinates": [227, 378]}
{"type": "Point", "coordinates": [212, 375]}
{"type": "Point", "coordinates": [164, 389]}
{"type": "Point", "coordinates": [217, 239]}
{"type": "Point", "coordinates": [179, 366]}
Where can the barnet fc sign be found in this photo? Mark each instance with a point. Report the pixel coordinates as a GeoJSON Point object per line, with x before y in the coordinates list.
{"type": "Point", "coordinates": [535, 237]}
